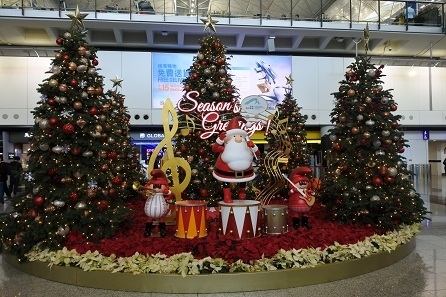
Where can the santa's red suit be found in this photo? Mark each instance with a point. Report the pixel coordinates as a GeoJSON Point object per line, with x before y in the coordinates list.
{"type": "Point", "coordinates": [301, 196]}
{"type": "Point", "coordinates": [236, 153]}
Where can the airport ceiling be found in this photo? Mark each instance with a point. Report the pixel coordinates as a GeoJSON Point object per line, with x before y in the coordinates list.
{"type": "Point", "coordinates": [32, 32]}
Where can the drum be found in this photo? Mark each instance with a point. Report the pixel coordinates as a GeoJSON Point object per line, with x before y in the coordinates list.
{"type": "Point", "coordinates": [191, 219]}
{"type": "Point", "coordinates": [275, 219]}
{"type": "Point", "coordinates": [240, 218]}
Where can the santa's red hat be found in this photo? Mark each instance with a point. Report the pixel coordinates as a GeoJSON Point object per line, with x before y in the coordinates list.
{"type": "Point", "coordinates": [233, 127]}
{"type": "Point", "coordinates": [299, 174]}
{"type": "Point", "coordinates": [158, 178]}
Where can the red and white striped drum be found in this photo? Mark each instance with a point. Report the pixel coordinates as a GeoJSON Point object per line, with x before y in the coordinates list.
{"type": "Point", "coordinates": [240, 218]}
{"type": "Point", "coordinates": [275, 219]}
{"type": "Point", "coordinates": [156, 206]}
{"type": "Point", "coordinates": [191, 219]}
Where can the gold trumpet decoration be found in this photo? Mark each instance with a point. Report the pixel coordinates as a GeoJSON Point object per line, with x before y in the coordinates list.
{"type": "Point", "coordinates": [146, 191]}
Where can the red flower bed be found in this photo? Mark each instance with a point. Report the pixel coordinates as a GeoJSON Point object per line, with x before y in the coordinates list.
{"type": "Point", "coordinates": [130, 239]}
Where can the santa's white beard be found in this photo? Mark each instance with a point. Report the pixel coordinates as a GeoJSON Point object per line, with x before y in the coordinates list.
{"type": "Point", "coordinates": [238, 156]}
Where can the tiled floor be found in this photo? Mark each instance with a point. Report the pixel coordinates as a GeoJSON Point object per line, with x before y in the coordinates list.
{"type": "Point", "coordinates": [422, 273]}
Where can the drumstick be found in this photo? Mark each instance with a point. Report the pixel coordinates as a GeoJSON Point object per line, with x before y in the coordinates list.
{"type": "Point", "coordinates": [300, 191]}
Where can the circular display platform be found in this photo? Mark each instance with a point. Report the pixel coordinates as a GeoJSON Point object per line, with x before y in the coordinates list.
{"type": "Point", "coordinates": [214, 283]}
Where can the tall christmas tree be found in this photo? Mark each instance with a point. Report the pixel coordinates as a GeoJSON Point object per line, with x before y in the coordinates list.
{"type": "Point", "coordinates": [209, 84]}
{"type": "Point", "coordinates": [295, 145]}
{"type": "Point", "coordinates": [76, 177]}
{"type": "Point", "coordinates": [367, 180]}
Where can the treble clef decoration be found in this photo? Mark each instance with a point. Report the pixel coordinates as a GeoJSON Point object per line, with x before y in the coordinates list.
{"type": "Point", "coordinates": [169, 160]}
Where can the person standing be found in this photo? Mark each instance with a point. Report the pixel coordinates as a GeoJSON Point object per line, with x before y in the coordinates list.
{"type": "Point", "coordinates": [15, 175]}
{"type": "Point", "coordinates": [3, 179]}
{"type": "Point", "coordinates": [444, 163]}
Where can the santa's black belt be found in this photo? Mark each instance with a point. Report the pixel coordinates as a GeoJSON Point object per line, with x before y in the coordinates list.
{"type": "Point", "coordinates": [235, 174]}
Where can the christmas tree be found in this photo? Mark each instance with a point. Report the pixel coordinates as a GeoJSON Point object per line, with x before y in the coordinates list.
{"type": "Point", "coordinates": [367, 180]}
{"type": "Point", "coordinates": [210, 98]}
{"type": "Point", "coordinates": [125, 169]}
{"type": "Point", "coordinates": [79, 159]}
{"type": "Point", "coordinates": [293, 146]}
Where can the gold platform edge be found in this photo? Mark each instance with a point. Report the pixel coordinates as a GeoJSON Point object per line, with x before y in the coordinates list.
{"type": "Point", "coordinates": [214, 283]}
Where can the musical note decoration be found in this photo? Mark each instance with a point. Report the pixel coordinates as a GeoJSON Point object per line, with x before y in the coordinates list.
{"type": "Point", "coordinates": [273, 159]}
{"type": "Point", "coordinates": [169, 160]}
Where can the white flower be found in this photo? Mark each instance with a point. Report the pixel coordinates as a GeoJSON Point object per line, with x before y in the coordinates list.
{"type": "Point", "coordinates": [185, 264]}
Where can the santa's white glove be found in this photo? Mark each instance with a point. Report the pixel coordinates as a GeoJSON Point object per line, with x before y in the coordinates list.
{"type": "Point", "coordinates": [221, 138]}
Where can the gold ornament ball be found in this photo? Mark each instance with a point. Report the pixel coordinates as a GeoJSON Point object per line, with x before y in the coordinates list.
{"type": "Point", "coordinates": [77, 105]}
{"type": "Point", "coordinates": [351, 92]}
{"type": "Point", "coordinates": [190, 158]}
{"type": "Point", "coordinates": [90, 90]}
{"type": "Point", "coordinates": [106, 107]}
{"type": "Point", "coordinates": [355, 130]}
{"type": "Point", "coordinates": [99, 128]}
{"type": "Point", "coordinates": [63, 87]}
{"type": "Point", "coordinates": [194, 172]}
{"type": "Point", "coordinates": [53, 82]}
{"type": "Point", "coordinates": [210, 169]}
{"type": "Point", "coordinates": [72, 66]}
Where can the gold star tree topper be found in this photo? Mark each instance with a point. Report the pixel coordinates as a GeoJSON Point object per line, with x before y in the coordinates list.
{"type": "Point", "coordinates": [77, 18]}
{"type": "Point", "coordinates": [116, 82]}
{"type": "Point", "coordinates": [209, 23]}
{"type": "Point", "coordinates": [289, 80]}
{"type": "Point", "coordinates": [366, 38]}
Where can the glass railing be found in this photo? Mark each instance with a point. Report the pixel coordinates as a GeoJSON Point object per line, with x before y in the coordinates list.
{"type": "Point", "coordinates": [281, 13]}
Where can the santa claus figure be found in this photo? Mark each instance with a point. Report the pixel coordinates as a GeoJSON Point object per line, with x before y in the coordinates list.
{"type": "Point", "coordinates": [234, 164]}
{"type": "Point", "coordinates": [301, 196]}
{"type": "Point", "coordinates": [156, 207]}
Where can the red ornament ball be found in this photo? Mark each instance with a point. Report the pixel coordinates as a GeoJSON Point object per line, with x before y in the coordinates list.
{"type": "Point", "coordinates": [383, 170]}
{"type": "Point", "coordinates": [194, 75]}
{"type": "Point", "coordinates": [117, 180]}
{"type": "Point", "coordinates": [52, 171]}
{"type": "Point", "coordinates": [75, 150]}
{"type": "Point", "coordinates": [68, 129]}
{"type": "Point", "coordinates": [102, 205]}
{"type": "Point", "coordinates": [204, 192]}
{"type": "Point", "coordinates": [51, 101]}
{"type": "Point", "coordinates": [66, 57]}
{"type": "Point", "coordinates": [393, 107]}
{"type": "Point", "coordinates": [377, 181]}
{"type": "Point", "coordinates": [39, 200]}
{"type": "Point", "coordinates": [74, 82]}
{"type": "Point", "coordinates": [74, 196]}
{"type": "Point", "coordinates": [95, 62]}
{"type": "Point", "coordinates": [112, 155]}
{"type": "Point", "coordinates": [94, 111]}
{"type": "Point", "coordinates": [112, 192]}
{"type": "Point", "coordinates": [59, 41]}
{"type": "Point", "coordinates": [400, 150]}
{"type": "Point", "coordinates": [389, 179]}
{"type": "Point", "coordinates": [201, 151]}
{"type": "Point", "coordinates": [53, 121]}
